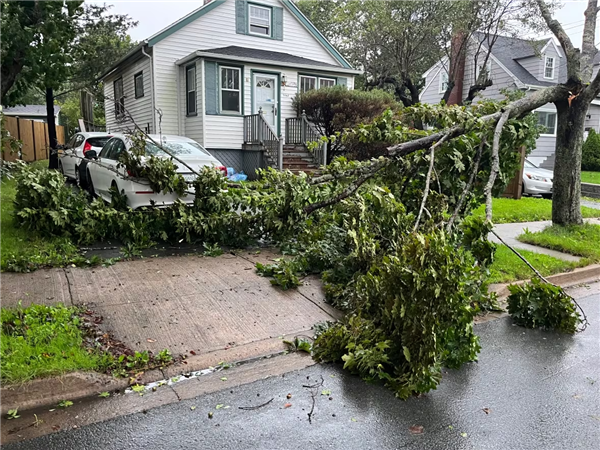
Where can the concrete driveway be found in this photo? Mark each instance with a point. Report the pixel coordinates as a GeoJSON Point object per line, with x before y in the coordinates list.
{"type": "Point", "coordinates": [217, 308]}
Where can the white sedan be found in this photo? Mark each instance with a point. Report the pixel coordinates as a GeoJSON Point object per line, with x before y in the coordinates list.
{"type": "Point", "coordinates": [105, 172]}
{"type": "Point", "coordinates": [76, 149]}
{"type": "Point", "coordinates": [537, 181]}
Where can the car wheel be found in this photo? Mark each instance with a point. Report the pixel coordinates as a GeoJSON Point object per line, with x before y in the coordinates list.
{"type": "Point", "coordinates": [90, 185]}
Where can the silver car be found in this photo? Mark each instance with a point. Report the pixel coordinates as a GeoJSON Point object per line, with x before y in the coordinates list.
{"type": "Point", "coordinates": [537, 181]}
{"type": "Point", "coordinates": [76, 149]}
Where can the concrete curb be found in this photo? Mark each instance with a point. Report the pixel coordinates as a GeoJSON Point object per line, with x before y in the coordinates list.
{"type": "Point", "coordinates": [588, 274]}
{"type": "Point", "coordinates": [48, 392]}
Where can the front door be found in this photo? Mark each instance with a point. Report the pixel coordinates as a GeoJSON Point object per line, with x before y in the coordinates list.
{"type": "Point", "coordinates": [265, 97]}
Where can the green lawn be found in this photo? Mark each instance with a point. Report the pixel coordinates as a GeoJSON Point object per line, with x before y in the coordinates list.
{"type": "Point", "coordinates": [580, 240]}
{"type": "Point", "coordinates": [590, 177]}
{"type": "Point", "coordinates": [508, 267]}
{"type": "Point", "coordinates": [528, 209]}
{"type": "Point", "coordinates": [41, 341]}
{"type": "Point", "coordinates": [21, 249]}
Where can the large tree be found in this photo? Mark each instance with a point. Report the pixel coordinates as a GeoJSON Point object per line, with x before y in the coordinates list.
{"type": "Point", "coordinates": [394, 42]}
{"type": "Point", "coordinates": [37, 37]}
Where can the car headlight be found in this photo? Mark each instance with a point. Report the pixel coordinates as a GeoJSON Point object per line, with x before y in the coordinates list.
{"type": "Point", "coordinates": [536, 177]}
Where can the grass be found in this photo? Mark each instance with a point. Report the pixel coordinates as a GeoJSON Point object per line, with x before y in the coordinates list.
{"type": "Point", "coordinates": [527, 209]}
{"type": "Point", "coordinates": [590, 177]}
{"type": "Point", "coordinates": [508, 267]}
{"type": "Point", "coordinates": [21, 249]}
{"type": "Point", "coordinates": [581, 240]}
{"type": "Point", "coordinates": [41, 341]}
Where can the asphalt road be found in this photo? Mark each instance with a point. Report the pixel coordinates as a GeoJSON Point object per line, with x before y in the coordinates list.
{"type": "Point", "coordinates": [530, 390]}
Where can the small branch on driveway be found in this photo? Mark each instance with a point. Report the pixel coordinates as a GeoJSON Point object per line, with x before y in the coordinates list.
{"type": "Point", "coordinates": [252, 408]}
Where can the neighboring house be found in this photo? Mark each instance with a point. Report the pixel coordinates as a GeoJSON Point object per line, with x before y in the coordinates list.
{"type": "Point", "coordinates": [31, 112]}
{"type": "Point", "coordinates": [514, 64]}
{"type": "Point", "coordinates": [209, 74]}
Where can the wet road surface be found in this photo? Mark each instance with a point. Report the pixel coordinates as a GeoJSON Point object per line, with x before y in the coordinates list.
{"type": "Point", "coordinates": [530, 389]}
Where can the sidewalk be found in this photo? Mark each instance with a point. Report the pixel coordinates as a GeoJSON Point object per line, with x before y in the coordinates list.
{"type": "Point", "coordinates": [510, 231]}
{"type": "Point", "coordinates": [207, 309]}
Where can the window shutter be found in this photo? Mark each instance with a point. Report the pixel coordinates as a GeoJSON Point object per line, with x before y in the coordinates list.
{"type": "Point", "coordinates": [211, 87]}
{"type": "Point", "coordinates": [241, 19]}
{"type": "Point", "coordinates": [341, 81]}
{"type": "Point", "coordinates": [278, 23]}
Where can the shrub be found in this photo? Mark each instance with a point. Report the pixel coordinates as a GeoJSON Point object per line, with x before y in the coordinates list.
{"type": "Point", "coordinates": [331, 110]}
{"type": "Point", "coordinates": [590, 157]}
{"type": "Point", "coordinates": [542, 305]}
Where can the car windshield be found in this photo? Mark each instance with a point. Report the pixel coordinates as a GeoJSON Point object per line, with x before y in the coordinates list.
{"type": "Point", "coordinates": [98, 141]}
{"type": "Point", "coordinates": [530, 165]}
{"type": "Point", "coordinates": [176, 148]}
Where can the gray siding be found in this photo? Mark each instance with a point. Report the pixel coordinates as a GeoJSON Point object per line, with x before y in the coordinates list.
{"type": "Point", "coordinates": [431, 92]}
{"type": "Point", "coordinates": [593, 121]}
{"type": "Point", "coordinates": [533, 65]}
{"type": "Point", "coordinates": [139, 108]}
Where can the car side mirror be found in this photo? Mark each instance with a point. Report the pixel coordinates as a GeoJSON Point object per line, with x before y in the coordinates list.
{"type": "Point", "coordinates": [91, 154]}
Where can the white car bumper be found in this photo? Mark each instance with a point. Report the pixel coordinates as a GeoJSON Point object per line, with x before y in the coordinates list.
{"type": "Point", "coordinates": [537, 187]}
{"type": "Point", "coordinates": [140, 195]}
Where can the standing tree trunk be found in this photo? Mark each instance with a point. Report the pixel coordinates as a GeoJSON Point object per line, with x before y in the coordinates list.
{"type": "Point", "coordinates": [566, 206]}
{"type": "Point", "coordinates": [53, 158]}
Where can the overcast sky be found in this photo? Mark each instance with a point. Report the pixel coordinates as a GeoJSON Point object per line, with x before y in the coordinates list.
{"type": "Point", "coordinates": [153, 16]}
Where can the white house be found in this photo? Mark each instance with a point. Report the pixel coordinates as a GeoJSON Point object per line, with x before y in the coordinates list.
{"type": "Point", "coordinates": [208, 75]}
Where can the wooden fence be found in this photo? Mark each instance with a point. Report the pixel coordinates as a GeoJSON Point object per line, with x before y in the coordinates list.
{"type": "Point", "coordinates": [33, 135]}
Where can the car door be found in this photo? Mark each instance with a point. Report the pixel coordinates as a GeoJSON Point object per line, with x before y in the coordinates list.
{"type": "Point", "coordinates": [98, 169]}
{"type": "Point", "coordinates": [70, 160]}
{"type": "Point", "coordinates": [109, 166]}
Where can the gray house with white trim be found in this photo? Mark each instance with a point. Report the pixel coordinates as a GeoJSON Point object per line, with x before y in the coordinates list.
{"type": "Point", "coordinates": [225, 75]}
{"type": "Point", "coordinates": [514, 64]}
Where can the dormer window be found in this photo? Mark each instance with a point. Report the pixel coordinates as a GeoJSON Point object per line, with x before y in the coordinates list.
{"type": "Point", "coordinates": [259, 20]}
{"type": "Point", "coordinates": [549, 68]}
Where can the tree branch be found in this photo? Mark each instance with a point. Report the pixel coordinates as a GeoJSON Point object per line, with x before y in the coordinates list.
{"type": "Point", "coordinates": [467, 188]}
{"type": "Point", "coordinates": [428, 180]}
{"type": "Point", "coordinates": [588, 46]}
{"type": "Point", "coordinates": [495, 164]}
{"type": "Point", "coordinates": [348, 191]}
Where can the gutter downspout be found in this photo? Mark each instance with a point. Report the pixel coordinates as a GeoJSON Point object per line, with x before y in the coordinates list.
{"type": "Point", "coordinates": [151, 89]}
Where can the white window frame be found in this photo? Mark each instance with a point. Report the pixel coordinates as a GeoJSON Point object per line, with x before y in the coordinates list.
{"type": "Point", "coordinates": [270, 34]}
{"type": "Point", "coordinates": [189, 89]}
{"type": "Point", "coordinates": [546, 67]}
{"type": "Point", "coordinates": [326, 79]}
{"type": "Point", "coordinates": [488, 68]}
{"type": "Point", "coordinates": [549, 111]}
{"type": "Point", "coordinates": [313, 77]}
{"type": "Point", "coordinates": [441, 88]}
{"type": "Point", "coordinates": [239, 90]}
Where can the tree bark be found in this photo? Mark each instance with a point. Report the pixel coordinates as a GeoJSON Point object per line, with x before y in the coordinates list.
{"type": "Point", "coordinates": [53, 157]}
{"type": "Point", "coordinates": [566, 206]}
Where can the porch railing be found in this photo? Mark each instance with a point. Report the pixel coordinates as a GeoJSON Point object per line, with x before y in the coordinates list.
{"type": "Point", "coordinates": [299, 131]}
{"type": "Point", "coordinates": [258, 131]}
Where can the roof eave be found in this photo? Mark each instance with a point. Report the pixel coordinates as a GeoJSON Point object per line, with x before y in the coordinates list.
{"type": "Point", "coordinates": [201, 54]}
{"type": "Point", "coordinates": [121, 60]}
